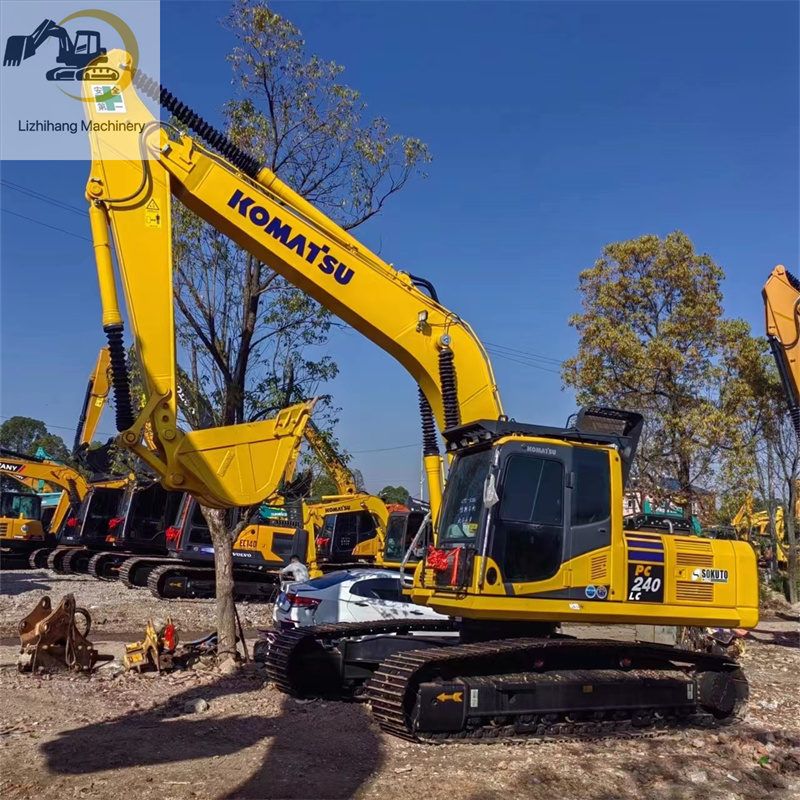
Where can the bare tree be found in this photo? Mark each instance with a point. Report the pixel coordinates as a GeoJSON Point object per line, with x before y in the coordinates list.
{"type": "Point", "coordinates": [253, 343]}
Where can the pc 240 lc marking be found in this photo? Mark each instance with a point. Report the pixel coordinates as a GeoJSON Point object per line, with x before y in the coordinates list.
{"type": "Point", "coordinates": [710, 575]}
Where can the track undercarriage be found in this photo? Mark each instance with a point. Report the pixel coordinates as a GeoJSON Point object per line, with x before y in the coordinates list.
{"type": "Point", "coordinates": [424, 685]}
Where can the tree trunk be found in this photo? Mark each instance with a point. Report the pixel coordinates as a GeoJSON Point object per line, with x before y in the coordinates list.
{"type": "Point", "coordinates": [223, 564]}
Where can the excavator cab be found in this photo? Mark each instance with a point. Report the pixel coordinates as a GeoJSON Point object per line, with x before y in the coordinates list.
{"type": "Point", "coordinates": [531, 498]}
{"type": "Point", "coordinates": [86, 49]}
{"type": "Point", "coordinates": [20, 522]}
{"type": "Point", "coordinates": [403, 526]}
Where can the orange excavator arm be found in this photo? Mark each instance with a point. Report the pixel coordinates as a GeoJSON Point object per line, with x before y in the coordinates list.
{"type": "Point", "coordinates": [781, 295]}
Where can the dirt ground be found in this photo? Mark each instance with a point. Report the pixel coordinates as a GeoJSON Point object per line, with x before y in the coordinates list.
{"type": "Point", "coordinates": [115, 609]}
{"type": "Point", "coordinates": [112, 735]}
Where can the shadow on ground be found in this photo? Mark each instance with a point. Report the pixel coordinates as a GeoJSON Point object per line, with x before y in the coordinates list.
{"type": "Point", "coordinates": [16, 582]}
{"type": "Point", "coordinates": [308, 756]}
{"type": "Point", "coordinates": [782, 638]}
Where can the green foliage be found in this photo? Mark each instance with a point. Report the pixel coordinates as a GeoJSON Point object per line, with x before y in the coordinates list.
{"type": "Point", "coordinates": [20, 434]}
{"type": "Point", "coordinates": [309, 128]}
{"type": "Point", "coordinates": [653, 339]}
{"type": "Point", "coordinates": [395, 494]}
{"type": "Point", "coordinates": [322, 486]}
{"type": "Point", "coordinates": [254, 341]}
{"type": "Point", "coordinates": [53, 446]}
{"type": "Point", "coordinates": [26, 435]}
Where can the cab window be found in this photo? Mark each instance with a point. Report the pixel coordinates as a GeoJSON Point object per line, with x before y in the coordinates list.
{"type": "Point", "coordinates": [529, 530]}
{"type": "Point", "coordinates": [591, 492]}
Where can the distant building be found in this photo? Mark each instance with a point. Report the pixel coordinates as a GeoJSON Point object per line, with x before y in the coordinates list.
{"type": "Point", "coordinates": [639, 501]}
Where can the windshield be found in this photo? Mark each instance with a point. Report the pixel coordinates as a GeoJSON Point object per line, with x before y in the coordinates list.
{"type": "Point", "coordinates": [463, 499]}
{"type": "Point", "coordinates": [27, 506]}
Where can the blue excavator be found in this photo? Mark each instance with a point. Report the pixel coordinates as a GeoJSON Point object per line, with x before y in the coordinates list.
{"type": "Point", "coordinates": [82, 59]}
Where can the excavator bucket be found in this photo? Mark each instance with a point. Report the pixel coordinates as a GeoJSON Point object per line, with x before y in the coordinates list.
{"type": "Point", "coordinates": [240, 465]}
{"type": "Point", "coordinates": [18, 48]}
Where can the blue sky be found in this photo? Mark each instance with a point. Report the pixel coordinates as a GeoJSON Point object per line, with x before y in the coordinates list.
{"type": "Point", "coordinates": [555, 128]}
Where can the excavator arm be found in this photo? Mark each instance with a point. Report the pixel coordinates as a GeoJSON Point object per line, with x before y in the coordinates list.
{"type": "Point", "coordinates": [221, 467]}
{"type": "Point", "coordinates": [331, 460]}
{"type": "Point", "coordinates": [268, 219]}
{"type": "Point", "coordinates": [94, 402]}
{"type": "Point", "coordinates": [781, 295]}
{"type": "Point", "coordinates": [18, 48]}
{"type": "Point", "coordinates": [22, 468]}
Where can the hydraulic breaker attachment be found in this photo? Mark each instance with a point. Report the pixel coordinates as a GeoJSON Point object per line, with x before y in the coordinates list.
{"type": "Point", "coordinates": [51, 640]}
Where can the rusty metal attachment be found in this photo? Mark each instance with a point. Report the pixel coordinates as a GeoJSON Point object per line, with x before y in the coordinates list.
{"type": "Point", "coordinates": [52, 641]}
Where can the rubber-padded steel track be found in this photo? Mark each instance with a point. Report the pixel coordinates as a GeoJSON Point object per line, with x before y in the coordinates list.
{"type": "Point", "coordinates": [284, 646]}
{"type": "Point", "coordinates": [159, 576]}
{"type": "Point", "coordinates": [70, 559]}
{"type": "Point", "coordinates": [129, 565]}
{"type": "Point", "coordinates": [392, 691]}
{"type": "Point", "coordinates": [97, 564]}
{"type": "Point", "coordinates": [38, 558]}
{"type": "Point", "coordinates": [55, 561]}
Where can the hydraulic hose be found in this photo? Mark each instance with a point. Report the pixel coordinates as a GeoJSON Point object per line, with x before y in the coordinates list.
{"type": "Point", "coordinates": [425, 284]}
{"type": "Point", "coordinates": [76, 445]}
{"type": "Point", "coordinates": [430, 446]}
{"type": "Point", "coordinates": [447, 378]}
{"type": "Point", "coordinates": [72, 492]}
{"type": "Point", "coordinates": [207, 132]}
{"type": "Point", "coordinates": [120, 379]}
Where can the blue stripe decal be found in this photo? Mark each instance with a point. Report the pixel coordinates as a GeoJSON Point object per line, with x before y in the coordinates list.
{"type": "Point", "coordinates": [631, 534]}
{"type": "Point", "coordinates": [646, 555]}
{"type": "Point", "coordinates": [659, 545]}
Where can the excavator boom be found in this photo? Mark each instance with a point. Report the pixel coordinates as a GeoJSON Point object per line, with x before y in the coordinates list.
{"type": "Point", "coordinates": [331, 460]}
{"type": "Point", "coordinates": [781, 295]}
{"type": "Point", "coordinates": [269, 220]}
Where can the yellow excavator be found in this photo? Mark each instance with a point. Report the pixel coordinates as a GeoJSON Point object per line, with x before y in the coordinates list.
{"type": "Point", "coordinates": [324, 535]}
{"type": "Point", "coordinates": [781, 296]}
{"type": "Point", "coordinates": [21, 531]}
{"type": "Point", "coordinates": [529, 530]}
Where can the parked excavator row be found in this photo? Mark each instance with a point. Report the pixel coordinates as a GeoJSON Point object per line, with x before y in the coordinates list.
{"type": "Point", "coordinates": [529, 530]}
{"type": "Point", "coordinates": [325, 535]}
{"type": "Point", "coordinates": [21, 525]}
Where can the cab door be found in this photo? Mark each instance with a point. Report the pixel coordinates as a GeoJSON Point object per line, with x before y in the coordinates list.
{"type": "Point", "coordinates": [528, 531]}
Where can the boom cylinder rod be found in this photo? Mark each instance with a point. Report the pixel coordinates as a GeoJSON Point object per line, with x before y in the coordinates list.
{"type": "Point", "coordinates": [105, 265]}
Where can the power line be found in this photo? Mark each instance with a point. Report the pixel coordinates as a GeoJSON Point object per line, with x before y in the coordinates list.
{"type": "Point", "coordinates": [499, 350]}
{"type": "Point", "coordinates": [521, 361]}
{"type": "Point", "coordinates": [45, 225]}
{"type": "Point", "coordinates": [63, 427]}
{"type": "Point", "coordinates": [384, 449]}
{"type": "Point", "coordinates": [525, 353]}
{"type": "Point", "coordinates": [43, 197]}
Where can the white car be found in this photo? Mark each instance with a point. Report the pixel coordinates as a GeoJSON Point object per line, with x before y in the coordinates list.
{"type": "Point", "coordinates": [359, 595]}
